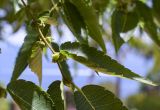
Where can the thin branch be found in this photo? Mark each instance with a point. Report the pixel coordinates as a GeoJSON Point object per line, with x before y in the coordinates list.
{"type": "Point", "coordinates": [45, 41]}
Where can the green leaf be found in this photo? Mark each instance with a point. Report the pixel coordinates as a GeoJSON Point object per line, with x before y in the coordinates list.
{"type": "Point", "coordinates": [3, 92]}
{"type": "Point", "coordinates": [89, 16]}
{"type": "Point", "coordinates": [122, 22]}
{"type": "Point", "coordinates": [95, 97]}
{"type": "Point", "coordinates": [56, 93]}
{"type": "Point", "coordinates": [156, 9]}
{"type": "Point", "coordinates": [66, 74]}
{"type": "Point", "coordinates": [145, 15]}
{"type": "Point", "coordinates": [67, 78]}
{"type": "Point", "coordinates": [45, 17]}
{"type": "Point", "coordinates": [73, 20]}
{"type": "Point", "coordinates": [100, 5]}
{"type": "Point", "coordinates": [4, 104]}
{"type": "Point", "coordinates": [35, 61]}
{"type": "Point", "coordinates": [29, 96]}
{"type": "Point", "coordinates": [19, 18]}
{"type": "Point", "coordinates": [24, 53]}
{"type": "Point", "coordinates": [98, 61]}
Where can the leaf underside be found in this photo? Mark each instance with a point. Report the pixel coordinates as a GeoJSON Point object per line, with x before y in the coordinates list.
{"type": "Point", "coordinates": [35, 61]}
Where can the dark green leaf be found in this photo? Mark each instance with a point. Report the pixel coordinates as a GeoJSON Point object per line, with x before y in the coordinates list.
{"type": "Point", "coordinates": [67, 78]}
{"type": "Point", "coordinates": [145, 15]}
{"type": "Point", "coordinates": [56, 93]}
{"type": "Point", "coordinates": [156, 9]}
{"type": "Point", "coordinates": [24, 53]}
{"type": "Point", "coordinates": [2, 92]}
{"type": "Point", "coordinates": [98, 61]}
{"type": "Point", "coordinates": [29, 96]}
{"type": "Point", "coordinates": [97, 98]}
{"type": "Point", "coordinates": [73, 20]}
{"type": "Point", "coordinates": [89, 16]}
{"type": "Point", "coordinates": [19, 18]}
{"type": "Point", "coordinates": [100, 5]}
{"type": "Point", "coordinates": [122, 22]}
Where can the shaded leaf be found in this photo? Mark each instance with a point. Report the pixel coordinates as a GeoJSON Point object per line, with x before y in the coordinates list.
{"type": "Point", "coordinates": [97, 98]}
{"type": "Point", "coordinates": [3, 92]}
{"type": "Point", "coordinates": [29, 96]}
{"type": "Point", "coordinates": [24, 53]}
{"type": "Point", "coordinates": [122, 22]}
{"type": "Point", "coordinates": [156, 9]}
{"type": "Point", "coordinates": [66, 74]}
{"type": "Point", "coordinates": [73, 20]}
{"type": "Point", "coordinates": [67, 78]}
{"type": "Point", "coordinates": [99, 61]}
{"type": "Point", "coordinates": [89, 16]}
{"type": "Point", "coordinates": [56, 93]}
{"type": "Point", "coordinates": [100, 5]}
{"type": "Point", "coordinates": [35, 61]}
{"type": "Point", "coordinates": [145, 15]}
{"type": "Point", "coordinates": [19, 18]}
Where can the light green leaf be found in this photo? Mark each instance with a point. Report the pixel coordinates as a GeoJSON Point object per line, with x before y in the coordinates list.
{"type": "Point", "coordinates": [99, 61]}
{"type": "Point", "coordinates": [24, 53]}
{"type": "Point", "coordinates": [97, 98]}
{"type": "Point", "coordinates": [45, 17]}
{"type": "Point", "coordinates": [29, 96]}
{"type": "Point", "coordinates": [122, 22]}
{"type": "Point", "coordinates": [56, 93]}
{"type": "Point", "coordinates": [89, 16]}
{"type": "Point", "coordinates": [35, 61]}
{"type": "Point", "coordinates": [4, 104]}
{"type": "Point", "coordinates": [145, 15]}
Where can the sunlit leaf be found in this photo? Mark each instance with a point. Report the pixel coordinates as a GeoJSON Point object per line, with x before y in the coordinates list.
{"type": "Point", "coordinates": [4, 104]}
{"type": "Point", "coordinates": [46, 18]}
{"type": "Point", "coordinates": [35, 61]}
